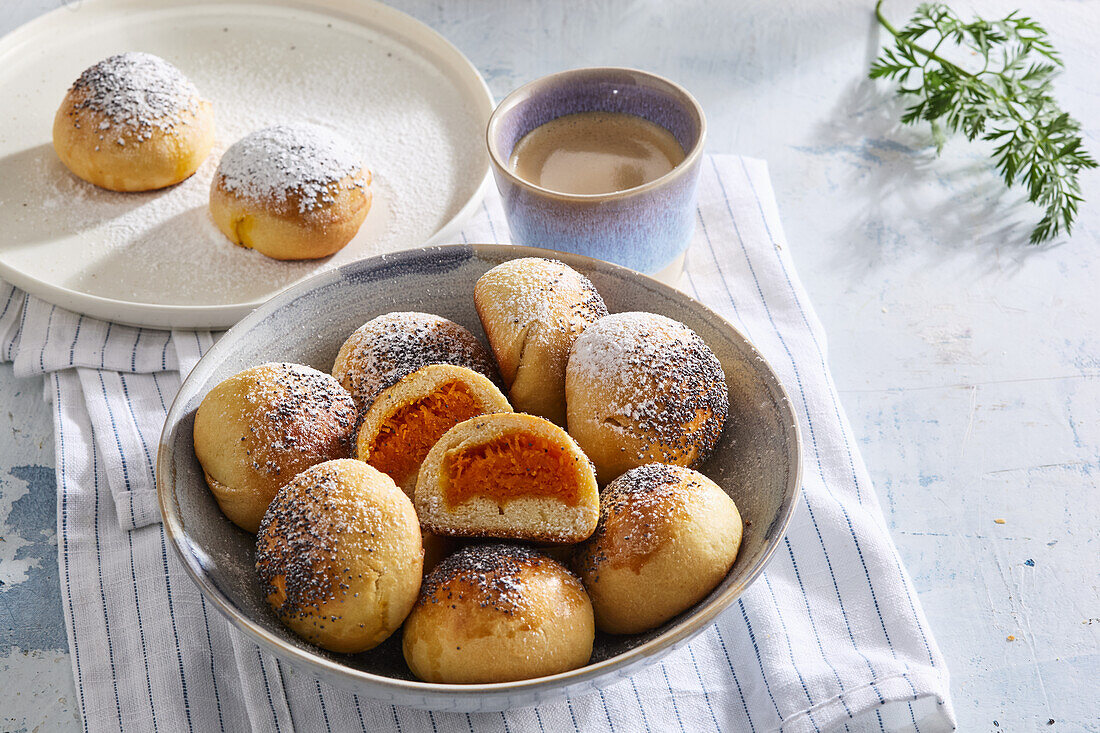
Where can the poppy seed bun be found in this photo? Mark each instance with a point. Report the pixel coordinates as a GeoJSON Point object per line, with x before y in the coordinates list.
{"type": "Point", "coordinates": [667, 536]}
{"type": "Point", "coordinates": [339, 556]}
{"type": "Point", "coordinates": [498, 613]}
{"type": "Point", "coordinates": [642, 388]}
{"type": "Point", "coordinates": [532, 310]}
{"type": "Point", "coordinates": [255, 430]}
{"type": "Point", "coordinates": [407, 419]}
{"type": "Point", "coordinates": [385, 349]}
{"type": "Point", "coordinates": [133, 122]}
{"type": "Point", "coordinates": [508, 475]}
{"type": "Point", "coordinates": [291, 192]}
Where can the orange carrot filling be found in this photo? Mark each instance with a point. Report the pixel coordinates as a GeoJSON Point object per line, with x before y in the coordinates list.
{"type": "Point", "coordinates": [411, 430]}
{"type": "Point", "coordinates": [510, 467]}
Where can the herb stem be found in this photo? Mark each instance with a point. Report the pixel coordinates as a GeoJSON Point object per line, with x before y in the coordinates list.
{"type": "Point", "coordinates": [930, 54]}
{"type": "Point", "coordinates": [1007, 102]}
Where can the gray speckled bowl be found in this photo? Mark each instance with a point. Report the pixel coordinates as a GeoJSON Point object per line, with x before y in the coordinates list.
{"type": "Point", "coordinates": [757, 461]}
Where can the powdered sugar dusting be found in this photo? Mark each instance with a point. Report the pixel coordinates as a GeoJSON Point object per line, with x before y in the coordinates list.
{"type": "Point", "coordinates": [136, 92]}
{"type": "Point", "coordinates": [664, 384]}
{"type": "Point", "coordinates": [555, 299]}
{"type": "Point", "coordinates": [635, 512]}
{"type": "Point", "coordinates": [306, 547]}
{"type": "Point", "coordinates": [539, 288]}
{"type": "Point", "coordinates": [388, 348]}
{"type": "Point", "coordinates": [298, 415]}
{"type": "Point", "coordinates": [405, 115]}
{"type": "Point", "coordinates": [305, 160]}
{"type": "Point", "coordinates": [490, 576]}
{"type": "Point", "coordinates": [630, 340]}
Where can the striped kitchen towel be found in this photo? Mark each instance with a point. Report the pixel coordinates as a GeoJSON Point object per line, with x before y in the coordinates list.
{"type": "Point", "coordinates": [831, 637]}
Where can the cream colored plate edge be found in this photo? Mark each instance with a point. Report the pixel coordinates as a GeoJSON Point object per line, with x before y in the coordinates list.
{"type": "Point", "coordinates": [375, 15]}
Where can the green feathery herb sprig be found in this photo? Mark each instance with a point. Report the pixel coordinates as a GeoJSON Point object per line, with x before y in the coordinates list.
{"type": "Point", "coordinates": [1005, 98]}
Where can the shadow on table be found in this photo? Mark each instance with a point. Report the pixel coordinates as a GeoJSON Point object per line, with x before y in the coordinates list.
{"type": "Point", "coordinates": [185, 260]}
{"type": "Point", "coordinates": [41, 201]}
{"type": "Point", "coordinates": [958, 198]}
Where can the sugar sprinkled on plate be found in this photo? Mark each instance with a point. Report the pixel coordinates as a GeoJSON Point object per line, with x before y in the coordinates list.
{"type": "Point", "coordinates": [405, 116]}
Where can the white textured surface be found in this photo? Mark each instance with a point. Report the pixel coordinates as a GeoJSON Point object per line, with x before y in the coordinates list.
{"type": "Point", "coordinates": [968, 361]}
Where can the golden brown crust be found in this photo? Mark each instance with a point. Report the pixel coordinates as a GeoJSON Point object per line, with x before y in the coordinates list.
{"type": "Point", "coordinates": [126, 159]}
{"type": "Point", "coordinates": [291, 192]}
{"type": "Point", "coordinates": [133, 122]}
{"type": "Point", "coordinates": [280, 230]}
{"type": "Point", "coordinates": [409, 417]}
{"type": "Point", "coordinates": [257, 429]}
{"type": "Point", "coordinates": [385, 349]}
{"type": "Point", "coordinates": [497, 613]}
{"type": "Point", "coordinates": [642, 388]}
{"type": "Point", "coordinates": [667, 536]}
{"type": "Point", "coordinates": [553, 507]}
{"type": "Point", "coordinates": [533, 310]}
{"type": "Point", "coordinates": [339, 556]}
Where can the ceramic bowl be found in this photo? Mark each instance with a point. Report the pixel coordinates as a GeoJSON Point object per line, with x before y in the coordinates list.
{"type": "Point", "coordinates": [647, 228]}
{"type": "Point", "coordinates": [757, 461]}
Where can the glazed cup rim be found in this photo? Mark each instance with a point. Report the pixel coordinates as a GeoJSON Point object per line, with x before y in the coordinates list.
{"type": "Point", "coordinates": [528, 90]}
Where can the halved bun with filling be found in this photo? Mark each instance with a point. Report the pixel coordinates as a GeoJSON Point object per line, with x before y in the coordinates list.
{"type": "Point", "coordinates": [508, 475]}
{"type": "Point", "coordinates": [407, 419]}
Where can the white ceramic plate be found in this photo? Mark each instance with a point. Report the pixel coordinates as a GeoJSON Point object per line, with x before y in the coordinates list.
{"type": "Point", "coordinates": [412, 104]}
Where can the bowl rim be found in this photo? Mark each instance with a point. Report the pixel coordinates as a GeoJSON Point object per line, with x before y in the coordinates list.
{"type": "Point", "coordinates": [651, 649]}
{"type": "Point", "coordinates": [526, 91]}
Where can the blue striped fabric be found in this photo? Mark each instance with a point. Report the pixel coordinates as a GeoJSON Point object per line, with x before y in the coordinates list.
{"type": "Point", "coordinates": [832, 637]}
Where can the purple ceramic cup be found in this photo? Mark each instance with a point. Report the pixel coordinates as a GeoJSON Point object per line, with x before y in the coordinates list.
{"type": "Point", "coordinates": [647, 228]}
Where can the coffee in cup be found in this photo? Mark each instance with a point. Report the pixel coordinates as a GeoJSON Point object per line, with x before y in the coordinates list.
{"type": "Point", "coordinates": [601, 162]}
{"type": "Point", "coordinates": [595, 152]}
